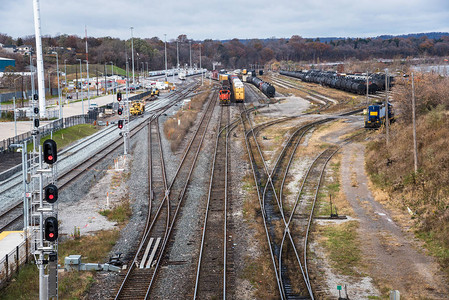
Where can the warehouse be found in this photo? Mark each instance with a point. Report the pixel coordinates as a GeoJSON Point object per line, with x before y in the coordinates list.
{"type": "Point", "coordinates": [5, 62]}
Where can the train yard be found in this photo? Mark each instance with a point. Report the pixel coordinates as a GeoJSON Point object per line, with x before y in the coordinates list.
{"type": "Point", "coordinates": [226, 216]}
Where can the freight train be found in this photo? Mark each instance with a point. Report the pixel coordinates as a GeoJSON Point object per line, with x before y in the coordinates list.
{"type": "Point", "coordinates": [263, 86]}
{"type": "Point", "coordinates": [237, 88]}
{"type": "Point", "coordinates": [353, 83]}
{"type": "Point", "coordinates": [375, 115]}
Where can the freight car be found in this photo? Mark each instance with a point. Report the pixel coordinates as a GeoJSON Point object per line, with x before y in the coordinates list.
{"type": "Point", "coordinates": [375, 116]}
{"type": "Point", "coordinates": [354, 83]}
{"type": "Point", "coordinates": [263, 86]}
{"type": "Point", "coordinates": [237, 88]}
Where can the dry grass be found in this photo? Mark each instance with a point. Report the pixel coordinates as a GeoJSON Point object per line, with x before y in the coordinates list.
{"type": "Point", "coordinates": [177, 127]}
{"type": "Point", "coordinates": [391, 170]}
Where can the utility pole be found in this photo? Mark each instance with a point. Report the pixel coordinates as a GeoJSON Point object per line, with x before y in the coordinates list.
{"type": "Point", "coordinates": [177, 54]}
{"type": "Point", "coordinates": [165, 56]}
{"type": "Point", "coordinates": [59, 87]}
{"type": "Point", "coordinates": [81, 79]}
{"type": "Point", "coordinates": [132, 50]}
{"type": "Point", "coordinates": [39, 59]}
{"type": "Point", "coordinates": [87, 70]}
{"type": "Point", "coordinates": [201, 68]}
{"type": "Point", "coordinates": [387, 110]}
{"type": "Point", "coordinates": [367, 87]}
{"type": "Point", "coordinates": [415, 146]}
{"type": "Point", "coordinates": [32, 75]}
{"type": "Point", "coordinates": [105, 84]}
{"type": "Point", "coordinates": [66, 85]}
{"type": "Point", "coordinates": [190, 47]}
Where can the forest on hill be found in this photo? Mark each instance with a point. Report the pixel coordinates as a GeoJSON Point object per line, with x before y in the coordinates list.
{"type": "Point", "coordinates": [233, 53]}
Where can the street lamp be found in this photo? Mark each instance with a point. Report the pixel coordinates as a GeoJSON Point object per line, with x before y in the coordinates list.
{"type": "Point", "coordinates": [132, 50]}
{"type": "Point", "coordinates": [88, 83]}
{"type": "Point", "coordinates": [190, 47]}
{"type": "Point", "coordinates": [112, 72]}
{"type": "Point", "coordinates": [201, 69]}
{"type": "Point", "coordinates": [66, 85]}
{"type": "Point", "coordinates": [81, 79]}
{"type": "Point", "coordinates": [59, 87]}
{"type": "Point", "coordinates": [165, 56]}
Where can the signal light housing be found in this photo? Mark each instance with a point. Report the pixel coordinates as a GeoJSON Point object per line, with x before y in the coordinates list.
{"type": "Point", "coordinates": [36, 123]}
{"type": "Point", "coordinates": [120, 111]}
{"type": "Point", "coordinates": [120, 124]}
{"type": "Point", "coordinates": [50, 151]}
{"type": "Point", "coordinates": [51, 229]}
{"type": "Point", "coordinates": [119, 96]}
{"type": "Point", "coordinates": [51, 193]}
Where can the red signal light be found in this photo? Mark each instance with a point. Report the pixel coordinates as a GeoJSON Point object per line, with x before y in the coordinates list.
{"type": "Point", "coordinates": [51, 234]}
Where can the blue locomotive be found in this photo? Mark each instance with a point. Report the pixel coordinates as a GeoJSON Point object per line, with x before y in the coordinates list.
{"type": "Point", "coordinates": [375, 116]}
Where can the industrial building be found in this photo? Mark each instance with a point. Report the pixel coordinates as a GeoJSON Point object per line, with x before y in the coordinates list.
{"type": "Point", "coordinates": [5, 62]}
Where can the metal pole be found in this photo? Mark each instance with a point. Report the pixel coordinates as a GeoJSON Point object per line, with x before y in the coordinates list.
{"type": "Point", "coordinates": [201, 68]}
{"type": "Point", "coordinates": [148, 73]}
{"type": "Point", "coordinates": [132, 50]}
{"type": "Point", "coordinates": [165, 56]}
{"type": "Point", "coordinates": [15, 119]}
{"type": "Point", "coordinates": [112, 72]}
{"type": "Point", "coordinates": [32, 76]}
{"type": "Point", "coordinates": [190, 47]}
{"type": "Point", "coordinates": [105, 83]}
{"type": "Point", "coordinates": [387, 125]}
{"type": "Point", "coordinates": [415, 146]}
{"type": "Point", "coordinates": [82, 98]}
{"type": "Point", "coordinates": [125, 142]}
{"type": "Point", "coordinates": [65, 74]}
{"type": "Point", "coordinates": [367, 89]}
{"type": "Point", "coordinates": [87, 70]}
{"type": "Point", "coordinates": [177, 54]}
{"type": "Point", "coordinates": [39, 61]}
{"type": "Point", "coordinates": [59, 87]}
{"type": "Point", "coordinates": [25, 201]}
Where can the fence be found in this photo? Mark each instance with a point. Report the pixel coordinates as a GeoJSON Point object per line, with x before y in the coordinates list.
{"type": "Point", "coordinates": [47, 129]}
{"type": "Point", "coordinates": [4, 97]}
{"type": "Point", "coordinates": [9, 265]}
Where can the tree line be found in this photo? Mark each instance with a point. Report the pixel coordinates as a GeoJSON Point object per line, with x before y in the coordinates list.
{"type": "Point", "coordinates": [231, 54]}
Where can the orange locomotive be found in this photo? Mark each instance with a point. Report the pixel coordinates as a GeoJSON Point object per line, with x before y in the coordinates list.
{"type": "Point", "coordinates": [225, 94]}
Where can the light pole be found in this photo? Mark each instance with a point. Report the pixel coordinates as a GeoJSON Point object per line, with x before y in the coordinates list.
{"type": "Point", "coordinates": [32, 75]}
{"type": "Point", "coordinates": [112, 74]}
{"type": "Point", "coordinates": [142, 68]}
{"type": "Point", "coordinates": [201, 69]}
{"type": "Point", "coordinates": [65, 74]}
{"type": "Point", "coordinates": [87, 85]}
{"type": "Point", "coordinates": [177, 54]}
{"type": "Point", "coordinates": [147, 68]}
{"type": "Point", "coordinates": [81, 79]}
{"type": "Point", "coordinates": [59, 86]}
{"type": "Point", "coordinates": [190, 47]}
{"type": "Point", "coordinates": [132, 50]}
{"type": "Point", "coordinates": [165, 56]}
{"type": "Point", "coordinates": [14, 98]}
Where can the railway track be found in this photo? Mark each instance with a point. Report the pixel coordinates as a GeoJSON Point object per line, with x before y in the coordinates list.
{"type": "Point", "coordinates": [213, 268]}
{"type": "Point", "coordinates": [138, 283]}
{"type": "Point", "coordinates": [12, 215]}
{"type": "Point", "coordinates": [289, 257]}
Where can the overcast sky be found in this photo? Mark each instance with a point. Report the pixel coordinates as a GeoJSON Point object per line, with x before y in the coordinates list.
{"type": "Point", "coordinates": [226, 19]}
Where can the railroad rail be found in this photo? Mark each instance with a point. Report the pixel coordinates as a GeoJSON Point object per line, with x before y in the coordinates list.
{"type": "Point", "coordinates": [273, 210]}
{"type": "Point", "coordinates": [163, 222]}
{"type": "Point", "coordinates": [14, 213]}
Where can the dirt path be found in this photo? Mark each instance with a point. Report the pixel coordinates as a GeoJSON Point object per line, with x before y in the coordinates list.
{"type": "Point", "coordinates": [391, 256]}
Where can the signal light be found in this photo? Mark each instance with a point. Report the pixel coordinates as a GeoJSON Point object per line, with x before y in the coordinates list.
{"type": "Point", "coordinates": [120, 124]}
{"type": "Point", "coordinates": [120, 111]}
{"type": "Point", "coordinates": [36, 110]}
{"type": "Point", "coordinates": [36, 122]}
{"type": "Point", "coordinates": [35, 97]}
{"type": "Point", "coordinates": [119, 96]}
{"type": "Point", "coordinates": [51, 229]}
{"type": "Point", "coordinates": [50, 151]}
{"type": "Point", "coordinates": [51, 193]}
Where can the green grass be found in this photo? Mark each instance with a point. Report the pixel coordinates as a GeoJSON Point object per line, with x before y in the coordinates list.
{"type": "Point", "coordinates": [119, 214]}
{"type": "Point", "coordinates": [67, 136]}
{"type": "Point", "coordinates": [72, 285]}
{"type": "Point", "coordinates": [93, 68]}
{"type": "Point", "coordinates": [343, 247]}
{"type": "Point", "coordinates": [435, 246]}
